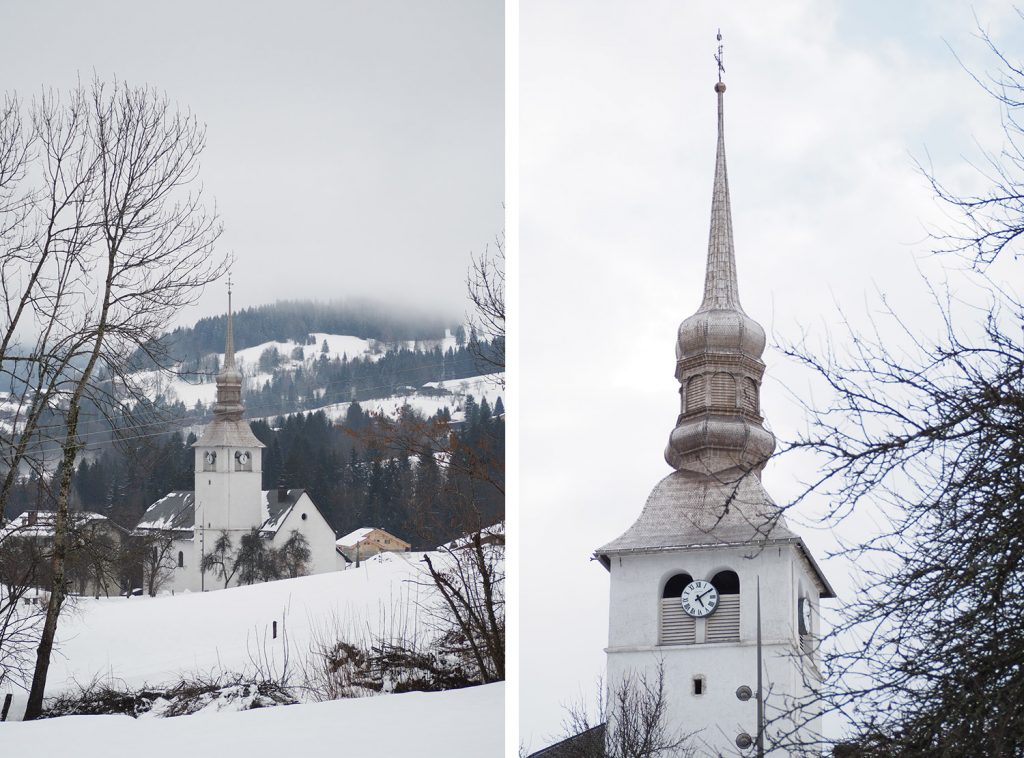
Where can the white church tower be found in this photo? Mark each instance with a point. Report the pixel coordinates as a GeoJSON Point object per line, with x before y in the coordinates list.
{"type": "Point", "coordinates": [228, 457]}
{"type": "Point", "coordinates": [684, 577]}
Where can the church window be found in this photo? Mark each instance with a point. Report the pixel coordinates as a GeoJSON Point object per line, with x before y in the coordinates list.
{"type": "Point", "coordinates": [676, 627]}
{"type": "Point", "coordinates": [749, 395]}
{"type": "Point", "coordinates": [698, 685]}
{"type": "Point", "coordinates": [723, 391]}
{"type": "Point", "coordinates": [304, 516]}
{"type": "Point", "coordinates": [724, 624]}
{"type": "Point", "coordinates": [181, 559]}
{"type": "Point", "coordinates": [695, 393]}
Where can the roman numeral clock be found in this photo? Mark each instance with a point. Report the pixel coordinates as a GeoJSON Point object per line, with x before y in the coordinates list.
{"type": "Point", "coordinates": [699, 599]}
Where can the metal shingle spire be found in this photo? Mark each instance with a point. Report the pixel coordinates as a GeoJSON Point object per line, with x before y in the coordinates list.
{"type": "Point", "coordinates": [720, 286]}
{"type": "Point", "coordinates": [718, 355]}
{"type": "Point", "coordinates": [229, 378]}
{"type": "Point", "coordinates": [229, 346]}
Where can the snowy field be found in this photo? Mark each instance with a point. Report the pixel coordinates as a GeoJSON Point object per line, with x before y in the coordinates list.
{"type": "Point", "coordinates": [467, 723]}
{"type": "Point", "coordinates": [143, 640]}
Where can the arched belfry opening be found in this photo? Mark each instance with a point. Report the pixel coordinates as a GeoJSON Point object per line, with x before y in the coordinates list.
{"type": "Point", "coordinates": [675, 626]}
{"type": "Point", "coordinates": [724, 623]}
{"type": "Point", "coordinates": [726, 582]}
{"type": "Point", "coordinates": [675, 585]}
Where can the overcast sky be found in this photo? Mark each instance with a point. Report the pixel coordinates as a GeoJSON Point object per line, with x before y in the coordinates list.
{"type": "Point", "coordinates": [354, 148]}
{"type": "Point", "coordinates": [827, 105]}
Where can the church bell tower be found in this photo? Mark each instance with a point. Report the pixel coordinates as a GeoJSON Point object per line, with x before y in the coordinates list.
{"type": "Point", "coordinates": [684, 576]}
{"type": "Point", "coordinates": [228, 460]}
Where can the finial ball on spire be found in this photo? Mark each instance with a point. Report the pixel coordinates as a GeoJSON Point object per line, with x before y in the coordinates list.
{"type": "Point", "coordinates": [719, 87]}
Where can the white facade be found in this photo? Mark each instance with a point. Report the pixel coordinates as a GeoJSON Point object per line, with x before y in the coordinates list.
{"type": "Point", "coordinates": [716, 714]}
{"type": "Point", "coordinates": [228, 492]}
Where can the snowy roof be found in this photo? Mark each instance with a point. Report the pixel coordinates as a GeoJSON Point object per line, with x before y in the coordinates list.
{"type": "Point", "coordinates": [41, 523]}
{"type": "Point", "coordinates": [358, 535]}
{"type": "Point", "coordinates": [176, 510]}
{"type": "Point", "coordinates": [228, 433]}
{"type": "Point", "coordinates": [694, 510]}
{"type": "Point", "coordinates": [493, 534]}
{"type": "Point", "coordinates": [687, 509]}
{"type": "Point", "coordinates": [276, 508]}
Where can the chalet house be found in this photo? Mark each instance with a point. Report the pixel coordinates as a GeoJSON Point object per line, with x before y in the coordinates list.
{"type": "Point", "coordinates": [94, 562]}
{"type": "Point", "coordinates": [369, 541]}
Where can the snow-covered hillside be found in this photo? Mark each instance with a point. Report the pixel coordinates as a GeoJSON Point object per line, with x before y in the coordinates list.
{"type": "Point", "coordinates": [191, 390]}
{"type": "Point", "coordinates": [479, 387]}
{"type": "Point", "coordinates": [467, 723]}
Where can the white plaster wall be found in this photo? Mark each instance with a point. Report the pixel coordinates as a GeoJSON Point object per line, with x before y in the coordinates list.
{"type": "Point", "coordinates": [323, 554]}
{"type": "Point", "coordinates": [636, 586]}
{"type": "Point", "coordinates": [227, 499]}
{"type": "Point", "coordinates": [186, 578]}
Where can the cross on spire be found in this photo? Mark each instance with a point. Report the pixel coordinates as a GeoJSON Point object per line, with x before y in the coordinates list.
{"type": "Point", "coordinates": [720, 57]}
{"type": "Point", "coordinates": [229, 347]}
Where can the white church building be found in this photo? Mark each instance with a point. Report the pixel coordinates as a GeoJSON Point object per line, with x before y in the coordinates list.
{"type": "Point", "coordinates": [228, 497]}
{"type": "Point", "coordinates": [685, 576]}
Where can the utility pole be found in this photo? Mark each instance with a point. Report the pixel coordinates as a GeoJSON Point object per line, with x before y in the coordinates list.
{"type": "Point", "coordinates": [760, 680]}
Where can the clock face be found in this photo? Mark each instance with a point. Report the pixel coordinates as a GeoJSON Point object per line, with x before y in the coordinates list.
{"type": "Point", "coordinates": [211, 457]}
{"type": "Point", "coordinates": [699, 599]}
{"type": "Point", "coordinates": [243, 458]}
{"type": "Point", "coordinates": [805, 615]}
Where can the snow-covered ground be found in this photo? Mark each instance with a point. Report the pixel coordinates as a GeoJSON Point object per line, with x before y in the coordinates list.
{"type": "Point", "coordinates": [466, 723]}
{"type": "Point", "coordinates": [143, 640]}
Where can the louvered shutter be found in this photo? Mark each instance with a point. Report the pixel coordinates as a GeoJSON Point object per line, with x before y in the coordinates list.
{"type": "Point", "coordinates": [677, 627]}
{"type": "Point", "coordinates": [696, 393]}
{"type": "Point", "coordinates": [723, 391]}
{"type": "Point", "coordinates": [724, 624]}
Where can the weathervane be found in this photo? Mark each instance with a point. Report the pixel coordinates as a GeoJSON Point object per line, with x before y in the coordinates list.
{"type": "Point", "coordinates": [718, 58]}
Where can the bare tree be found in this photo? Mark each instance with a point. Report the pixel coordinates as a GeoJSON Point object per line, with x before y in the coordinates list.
{"type": "Point", "coordinates": [221, 560]}
{"type": "Point", "coordinates": [294, 555]}
{"type": "Point", "coordinates": [471, 609]}
{"type": "Point", "coordinates": [255, 561]}
{"type": "Point", "coordinates": [21, 562]}
{"type": "Point", "coordinates": [485, 286]}
{"type": "Point", "coordinates": [137, 245]}
{"type": "Point", "coordinates": [631, 722]}
{"type": "Point", "coordinates": [922, 438]}
{"type": "Point", "coordinates": [156, 551]}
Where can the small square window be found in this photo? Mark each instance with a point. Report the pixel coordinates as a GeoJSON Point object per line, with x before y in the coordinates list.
{"type": "Point", "coordinates": [698, 685]}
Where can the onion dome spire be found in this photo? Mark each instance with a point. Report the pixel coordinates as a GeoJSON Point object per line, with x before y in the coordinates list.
{"type": "Point", "coordinates": [229, 378]}
{"type": "Point", "coordinates": [721, 289]}
{"type": "Point", "coordinates": [718, 355]}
